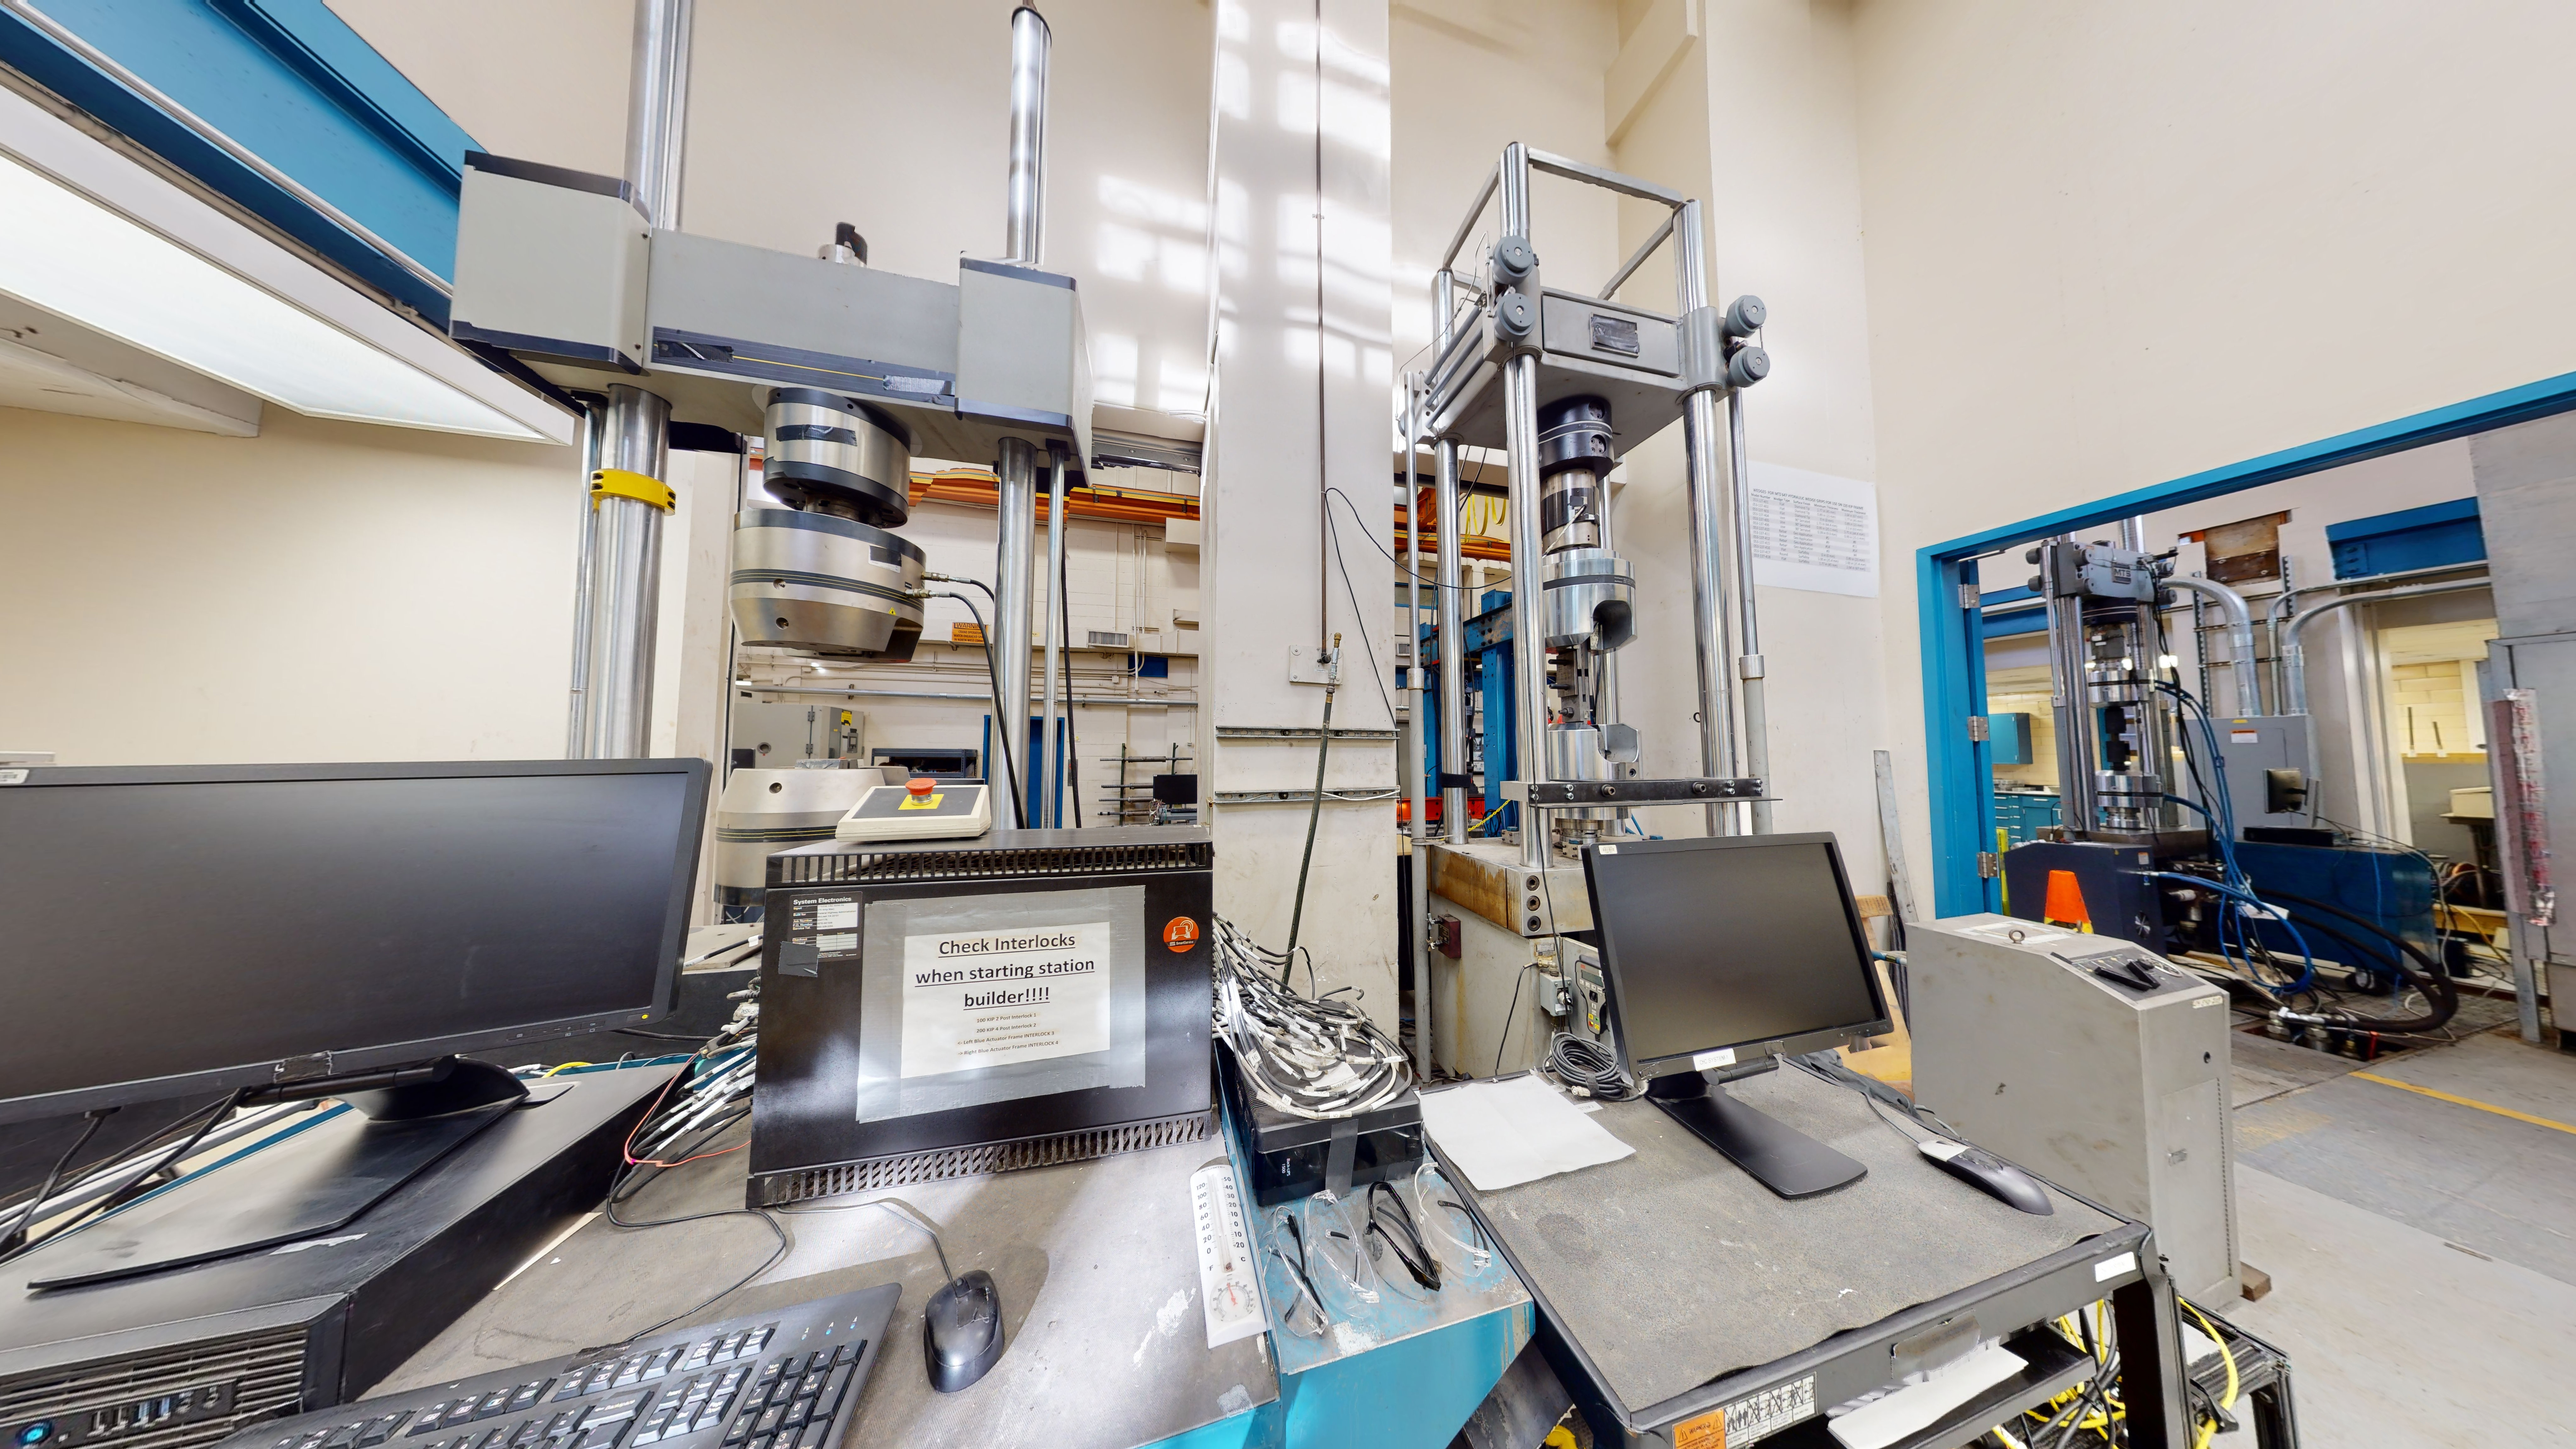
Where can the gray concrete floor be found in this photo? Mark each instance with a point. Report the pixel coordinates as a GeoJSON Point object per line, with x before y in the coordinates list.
{"type": "Point", "coordinates": [2422, 1251]}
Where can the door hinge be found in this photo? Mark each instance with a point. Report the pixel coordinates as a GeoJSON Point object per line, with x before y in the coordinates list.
{"type": "Point", "coordinates": [1970, 598]}
{"type": "Point", "coordinates": [1978, 730]}
{"type": "Point", "coordinates": [1989, 865]}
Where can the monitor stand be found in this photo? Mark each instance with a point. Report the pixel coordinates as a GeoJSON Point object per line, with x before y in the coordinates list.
{"type": "Point", "coordinates": [311, 1183]}
{"type": "Point", "coordinates": [1771, 1152]}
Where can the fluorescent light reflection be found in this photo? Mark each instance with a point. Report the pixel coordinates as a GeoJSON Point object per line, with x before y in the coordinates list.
{"type": "Point", "coordinates": [69, 255]}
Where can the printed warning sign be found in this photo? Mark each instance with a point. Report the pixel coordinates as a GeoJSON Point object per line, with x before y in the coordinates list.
{"type": "Point", "coordinates": [990, 998]}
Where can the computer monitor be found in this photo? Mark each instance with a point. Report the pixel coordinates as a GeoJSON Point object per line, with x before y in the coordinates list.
{"type": "Point", "coordinates": [172, 931]}
{"type": "Point", "coordinates": [1717, 954]}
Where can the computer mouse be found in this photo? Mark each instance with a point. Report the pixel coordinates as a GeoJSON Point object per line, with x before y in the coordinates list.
{"type": "Point", "coordinates": [961, 1331]}
{"type": "Point", "coordinates": [1990, 1175]}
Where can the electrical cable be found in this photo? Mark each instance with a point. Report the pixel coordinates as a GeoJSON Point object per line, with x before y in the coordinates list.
{"type": "Point", "coordinates": [1072, 737]}
{"type": "Point", "coordinates": [1001, 716]}
{"type": "Point", "coordinates": [904, 1212]}
{"type": "Point", "coordinates": [2441, 994]}
{"type": "Point", "coordinates": [1590, 1068]}
{"type": "Point", "coordinates": [767, 1220]}
{"type": "Point", "coordinates": [53, 1178]}
{"type": "Point", "coordinates": [1314, 815]}
{"type": "Point", "coordinates": [1383, 551]}
{"type": "Point", "coordinates": [1511, 1014]}
{"type": "Point", "coordinates": [133, 1187]}
{"type": "Point", "coordinates": [1314, 1058]}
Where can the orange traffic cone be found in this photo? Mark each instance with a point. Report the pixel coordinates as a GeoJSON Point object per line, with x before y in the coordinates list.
{"type": "Point", "coordinates": [2066, 902]}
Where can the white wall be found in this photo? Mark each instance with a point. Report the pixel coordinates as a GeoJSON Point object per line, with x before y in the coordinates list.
{"type": "Point", "coordinates": [1298, 176]}
{"type": "Point", "coordinates": [324, 591]}
{"type": "Point", "coordinates": [1757, 121]}
{"type": "Point", "coordinates": [2114, 245]}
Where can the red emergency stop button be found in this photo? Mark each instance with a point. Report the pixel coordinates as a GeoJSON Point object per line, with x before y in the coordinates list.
{"type": "Point", "coordinates": [922, 785]}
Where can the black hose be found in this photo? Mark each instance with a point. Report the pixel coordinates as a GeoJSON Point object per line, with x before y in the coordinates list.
{"type": "Point", "coordinates": [1072, 740]}
{"type": "Point", "coordinates": [1001, 721]}
{"type": "Point", "coordinates": [1297, 914]}
{"type": "Point", "coordinates": [2441, 994]}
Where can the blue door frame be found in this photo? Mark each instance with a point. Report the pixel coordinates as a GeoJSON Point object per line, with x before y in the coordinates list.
{"type": "Point", "coordinates": [1954, 657]}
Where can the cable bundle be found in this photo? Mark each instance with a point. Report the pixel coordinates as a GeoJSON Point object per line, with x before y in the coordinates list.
{"type": "Point", "coordinates": [1317, 1059]}
{"type": "Point", "coordinates": [1589, 1068]}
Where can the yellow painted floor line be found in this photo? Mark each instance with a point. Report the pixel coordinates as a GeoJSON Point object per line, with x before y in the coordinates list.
{"type": "Point", "coordinates": [2467, 1102]}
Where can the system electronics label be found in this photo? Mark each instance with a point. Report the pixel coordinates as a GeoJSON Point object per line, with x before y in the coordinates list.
{"type": "Point", "coordinates": [1751, 1418]}
{"type": "Point", "coordinates": [819, 929]}
{"type": "Point", "coordinates": [990, 998]}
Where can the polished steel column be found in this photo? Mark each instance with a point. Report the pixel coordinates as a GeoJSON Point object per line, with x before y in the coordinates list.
{"type": "Point", "coordinates": [657, 107]}
{"type": "Point", "coordinates": [1015, 542]}
{"type": "Point", "coordinates": [1027, 204]}
{"type": "Point", "coordinates": [1448, 597]}
{"type": "Point", "coordinates": [625, 548]}
{"type": "Point", "coordinates": [594, 420]}
{"type": "Point", "coordinates": [1702, 438]}
{"type": "Point", "coordinates": [620, 561]}
{"type": "Point", "coordinates": [1050, 738]}
{"type": "Point", "coordinates": [1014, 567]}
{"type": "Point", "coordinates": [2070, 701]}
{"type": "Point", "coordinates": [1748, 638]}
{"type": "Point", "coordinates": [1520, 449]}
{"type": "Point", "coordinates": [1417, 748]}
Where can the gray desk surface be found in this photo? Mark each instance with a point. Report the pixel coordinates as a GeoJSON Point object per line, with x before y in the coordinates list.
{"type": "Point", "coordinates": [1096, 1261]}
{"type": "Point", "coordinates": [1673, 1267]}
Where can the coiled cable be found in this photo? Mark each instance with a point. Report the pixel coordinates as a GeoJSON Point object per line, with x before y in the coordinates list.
{"type": "Point", "coordinates": [1589, 1067]}
{"type": "Point", "coordinates": [1313, 1058]}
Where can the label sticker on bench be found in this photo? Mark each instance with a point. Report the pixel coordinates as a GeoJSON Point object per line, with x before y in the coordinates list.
{"type": "Point", "coordinates": [2113, 1267]}
{"type": "Point", "coordinates": [1751, 1418]}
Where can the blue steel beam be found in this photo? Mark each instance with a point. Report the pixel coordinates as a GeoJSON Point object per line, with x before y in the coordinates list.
{"type": "Point", "coordinates": [291, 83]}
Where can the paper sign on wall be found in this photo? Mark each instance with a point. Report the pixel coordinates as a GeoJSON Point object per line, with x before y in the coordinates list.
{"type": "Point", "coordinates": [991, 998]}
{"type": "Point", "coordinates": [1814, 531]}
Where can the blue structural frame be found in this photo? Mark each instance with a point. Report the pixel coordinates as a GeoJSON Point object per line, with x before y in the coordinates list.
{"type": "Point", "coordinates": [290, 82]}
{"type": "Point", "coordinates": [1954, 632]}
{"type": "Point", "coordinates": [1488, 673]}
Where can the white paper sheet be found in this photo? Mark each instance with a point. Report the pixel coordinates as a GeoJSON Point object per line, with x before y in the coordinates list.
{"type": "Point", "coordinates": [1882, 1422]}
{"type": "Point", "coordinates": [1501, 1134]}
{"type": "Point", "coordinates": [1814, 531]}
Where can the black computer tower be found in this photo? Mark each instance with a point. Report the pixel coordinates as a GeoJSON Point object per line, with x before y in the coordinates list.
{"type": "Point", "coordinates": [188, 1356]}
{"type": "Point", "coordinates": [941, 1008]}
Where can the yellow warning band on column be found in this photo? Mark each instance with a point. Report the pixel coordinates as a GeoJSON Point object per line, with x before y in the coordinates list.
{"type": "Point", "coordinates": [618, 483]}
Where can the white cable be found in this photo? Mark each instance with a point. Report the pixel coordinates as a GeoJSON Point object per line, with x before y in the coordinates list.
{"type": "Point", "coordinates": [1316, 1059]}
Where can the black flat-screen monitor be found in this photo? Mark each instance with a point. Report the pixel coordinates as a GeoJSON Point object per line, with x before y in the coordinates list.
{"type": "Point", "coordinates": [178, 930]}
{"type": "Point", "coordinates": [1729, 946]}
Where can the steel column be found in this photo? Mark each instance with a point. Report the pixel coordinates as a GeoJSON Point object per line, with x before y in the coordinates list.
{"type": "Point", "coordinates": [1416, 750]}
{"type": "Point", "coordinates": [1748, 663]}
{"type": "Point", "coordinates": [657, 107]}
{"type": "Point", "coordinates": [1700, 444]}
{"type": "Point", "coordinates": [2070, 703]}
{"type": "Point", "coordinates": [1027, 205]}
{"type": "Point", "coordinates": [625, 549]}
{"type": "Point", "coordinates": [1050, 806]}
{"type": "Point", "coordinates": [1014, 569]}
{"type": "Point", "coordinates": [1448, 587]}
{"type": "Point", "coordinates": [1520, 439]}
{"type": "Point", "coordinates": [577, 718]}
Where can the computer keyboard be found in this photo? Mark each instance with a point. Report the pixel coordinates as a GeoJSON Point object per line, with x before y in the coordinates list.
{"type": "Point", "coordinates": [783, 1380]}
